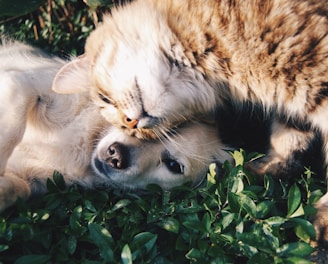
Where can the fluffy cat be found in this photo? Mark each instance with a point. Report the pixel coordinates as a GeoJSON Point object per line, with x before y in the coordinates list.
{"type": "Point", "coordinates": [155, 64]}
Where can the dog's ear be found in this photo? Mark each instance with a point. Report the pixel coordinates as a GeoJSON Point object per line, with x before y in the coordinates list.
{"type": "Point", "coordinates": [72, 77]}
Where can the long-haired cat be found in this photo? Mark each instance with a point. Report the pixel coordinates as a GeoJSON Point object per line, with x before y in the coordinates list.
{"type": "Point", "coordinates": [157, 63]}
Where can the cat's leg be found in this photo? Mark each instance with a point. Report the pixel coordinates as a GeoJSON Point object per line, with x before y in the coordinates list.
{"type": "Point", "coordinates": [285, 142]}
{"type": "Point", "coordinates": [321, 219]}
{"type": "Point", "coordinates": [286, 146]}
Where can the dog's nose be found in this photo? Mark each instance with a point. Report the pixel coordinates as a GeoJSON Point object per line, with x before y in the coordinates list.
{"type": "Point", "coordinates": [130, 123]}
{"type": "Point", "coordinates": [117, 156]}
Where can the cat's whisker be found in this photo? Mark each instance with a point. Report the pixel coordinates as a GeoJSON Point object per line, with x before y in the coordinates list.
{"type": "Point", "coordinates": [176, 138]}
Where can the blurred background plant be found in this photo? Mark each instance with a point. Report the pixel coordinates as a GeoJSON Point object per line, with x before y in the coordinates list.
{"type": "Point", "coordinates": [57, 26]}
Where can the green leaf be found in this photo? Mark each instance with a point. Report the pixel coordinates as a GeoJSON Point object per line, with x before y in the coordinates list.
{"type": "Point", "coordinates": [3, 247]}
{"type": "Point", "coordinates": [18, 7]}
{"type": "Point", "coordinates": [297, 249]}
{"type": "Point", "coordinates": [275, 220]}
{"type": "Point", "coordinates": [299, 212]}
{"type": "Point", "coordinates": [297, 260]}
{"type": "Point", "coordinates": [270, 236]}
{"type": "Point", "coordinates": [170, 224]}
{"type": "Point", "coordinates": [269, 185]}
{"type": "Point", "coordinates": [53, 200]}
{"type": "Point", "coordinates": [121, 204]}
{"type": "Point", "coordinates": [51, 186]}
{"type": "Point", "coordinates": [90, 206]}
{"type": "Point", "coordinates": [315, 196]}
{"type": "Point", "coordinates": [304, 229]}
{"type": "Point", "coordinates": [257, 239]}
{"type": "Point", "coordinates": [74, 220]}
{"type": "Point", "coordinates": [126, 255]}
{"type": "Point", "coordinates": [71, 243]}
{"type": "Point", "coordinates": [59, 180]}
{"type": "Point", "coordinates": [227, 220]}
{"type": "Point", "coordinates": [240, 228]}
{"type": "Point", "coordinates": [194, 224]}
{"type": "Point", "coordinates": [238, 157]}
{"type": "Point", "coordinates": [206, 221]}
{"type": "Point", "coordinates": [143, 240]}
{"type": "Point", "coordinates": [103, 239]}
{"type": "Point", "coordinates": [194, 254]}
{"type": "Point", "coordinates": [35, 259]}
{"type": "Point", "coordinates": [93, 4]}
{"type": "Point", "coordinates": [212, 173]}
{"type": "Point", "coordinates": [233, 201]}
{"type": "Point", "coordinates": [260, 258]}
{"type": "Point", "coordinates": [237, 185]}
{"type": "Point", "coordinates": [263, 208]}
{"type": "Point", "coordinates": [247, 204]}
{"type": "Point", "coordinates": [294, 199]}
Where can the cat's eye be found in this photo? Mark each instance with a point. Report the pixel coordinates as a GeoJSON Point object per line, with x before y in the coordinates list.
{"type": "Point", "coordinates": [173, 166]}
{"type": "Point", "coordinates": [105, 99]}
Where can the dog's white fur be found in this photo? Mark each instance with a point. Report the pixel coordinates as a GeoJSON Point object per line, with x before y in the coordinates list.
{"type": "Point", "coordinates": [42, 131]}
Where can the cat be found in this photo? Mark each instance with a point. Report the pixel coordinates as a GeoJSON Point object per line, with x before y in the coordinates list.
{"type": "Point", "coordinates": [154, 64]}
{"type": "Point", "coordinates": [42, 131]}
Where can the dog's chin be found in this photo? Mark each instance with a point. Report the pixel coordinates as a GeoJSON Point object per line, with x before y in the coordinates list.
{"type": "Point", "coordinates": [105, 172]}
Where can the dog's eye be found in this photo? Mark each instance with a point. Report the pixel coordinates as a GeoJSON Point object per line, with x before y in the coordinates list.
{"type": "Point", "coordinates": [105, 99]}
{"type": "Point", "coordinates": [174, 166]}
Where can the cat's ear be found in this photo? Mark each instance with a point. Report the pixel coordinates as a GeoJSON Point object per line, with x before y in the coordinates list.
{"type": "Point", "coordinates": [73, 77]}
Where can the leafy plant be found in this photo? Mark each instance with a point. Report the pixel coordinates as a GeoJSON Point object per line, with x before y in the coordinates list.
{"type": "Point", "coordinates": [230, 219]}
{"type": "Point", "coordinates": [57, 26]}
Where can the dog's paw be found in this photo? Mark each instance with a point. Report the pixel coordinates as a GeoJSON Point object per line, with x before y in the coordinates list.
{"type": "Point", "coordinates": [12, 188]}
{"type": "Point", "coordinates": [321, 220]}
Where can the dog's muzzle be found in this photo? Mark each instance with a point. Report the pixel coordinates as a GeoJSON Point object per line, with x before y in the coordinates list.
{"type": "Point", "coordinates": [115, 158]}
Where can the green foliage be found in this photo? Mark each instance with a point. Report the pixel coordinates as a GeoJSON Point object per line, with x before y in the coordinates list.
{"type": "Point", "coordinates": [57, 26]}
{"type": "Point", "coordinates": [18, 7]}
{"type": "Point", "coordinates": [231, 219]}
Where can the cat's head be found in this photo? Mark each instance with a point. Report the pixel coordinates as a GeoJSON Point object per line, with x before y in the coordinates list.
{"type": "Point", "coordinates": [138, 74]}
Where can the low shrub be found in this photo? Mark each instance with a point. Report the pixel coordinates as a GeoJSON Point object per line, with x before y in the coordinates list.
{"type": "Point", "coordinates": [230, 219]}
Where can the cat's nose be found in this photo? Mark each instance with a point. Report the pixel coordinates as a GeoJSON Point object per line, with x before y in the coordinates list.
{"type": "Point", "coordinates": [130, 123]}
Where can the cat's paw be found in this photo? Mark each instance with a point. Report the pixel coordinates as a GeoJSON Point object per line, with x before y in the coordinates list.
{"type": "Point", "coordinates": [276, 167]}
{"type": "Point", "coordinates": [321, 221]}
{"type": "Point", "coordinates": [266, 165]}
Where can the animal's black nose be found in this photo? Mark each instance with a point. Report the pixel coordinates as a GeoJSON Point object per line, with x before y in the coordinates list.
{"type": "Point", "coordinates": [117, 156]}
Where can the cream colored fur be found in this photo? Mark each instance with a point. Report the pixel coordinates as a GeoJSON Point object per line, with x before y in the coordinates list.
{"type": "Point", "coordinates": [42, 131]}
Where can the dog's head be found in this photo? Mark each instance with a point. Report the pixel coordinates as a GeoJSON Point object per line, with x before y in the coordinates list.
{"type": "Point", "coordinates": [129, 163]}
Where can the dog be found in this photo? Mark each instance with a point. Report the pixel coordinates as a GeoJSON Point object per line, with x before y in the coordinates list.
{"type": "Point", "coordinates": [42, 131]}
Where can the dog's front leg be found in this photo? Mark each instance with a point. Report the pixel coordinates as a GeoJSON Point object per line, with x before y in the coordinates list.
{"type": "Point", "coordinates": [15, 100]}
{"type": "Point", "coordinates": [12, 188]}
{"type": "Point", "coordinates": [17, 97]}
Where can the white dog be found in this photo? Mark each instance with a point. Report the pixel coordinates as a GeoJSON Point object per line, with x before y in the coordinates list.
{"type": "Point", "coordinates": [42, 131]}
